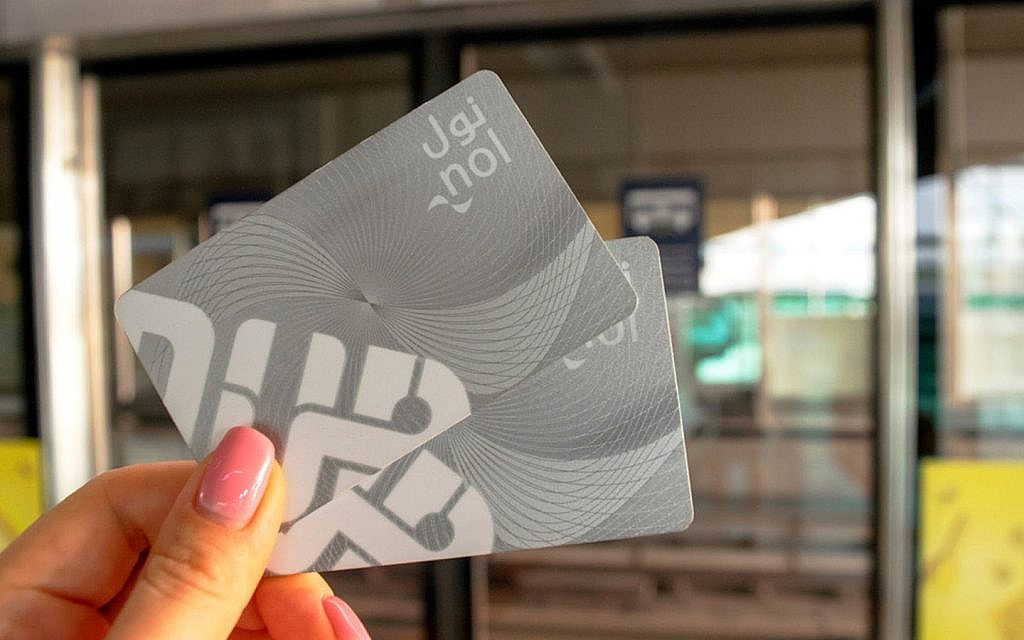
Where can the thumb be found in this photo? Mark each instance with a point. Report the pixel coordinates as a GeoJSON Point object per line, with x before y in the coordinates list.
{"type": "Point", "coordinates": [212, 548]}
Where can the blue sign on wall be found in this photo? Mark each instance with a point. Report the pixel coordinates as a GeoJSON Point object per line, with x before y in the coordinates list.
{"type": "Point", "coordinates": [669, 210]}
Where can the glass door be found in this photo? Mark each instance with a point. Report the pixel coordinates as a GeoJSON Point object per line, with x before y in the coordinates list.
{"type": "Point", "coordinates": [774, 348]}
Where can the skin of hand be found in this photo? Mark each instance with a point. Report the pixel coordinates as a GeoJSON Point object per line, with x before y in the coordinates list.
{"type": "Point", "coordinates": [167, 551]}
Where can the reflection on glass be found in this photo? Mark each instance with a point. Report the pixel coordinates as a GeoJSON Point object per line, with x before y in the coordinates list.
{"type": "Point", "coordinates": [817, 270]}
{"type": "Point", "coordinates": [978, 215]}
{"type": "Point", "coordinates": [989, 356]}
{"type": "Point", "coordinates": [773, 355]}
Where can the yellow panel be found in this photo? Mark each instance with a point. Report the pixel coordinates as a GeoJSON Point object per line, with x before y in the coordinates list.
{"type": "Point", "coordinates": [972, 550]}
{"type": "Point", "coordinates": [20, 501]}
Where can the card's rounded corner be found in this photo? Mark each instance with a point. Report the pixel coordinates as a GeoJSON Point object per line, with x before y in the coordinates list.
{"type": "Point", "coordinates": [119, 305]}
{"type": "Point", "coordinates": [647, 241]}
{"type": "Point", "coordinates": [487, 73]}
{"type": "Point", "coordinates": [687, 520]}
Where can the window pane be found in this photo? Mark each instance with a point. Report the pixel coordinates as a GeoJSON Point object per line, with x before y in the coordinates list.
{"type": "Point", "coordinates": [980, 229]}
{"type": "Point", "coordinates": [184, 152]}
{"type": "Point", "coordinates": [773, 355]}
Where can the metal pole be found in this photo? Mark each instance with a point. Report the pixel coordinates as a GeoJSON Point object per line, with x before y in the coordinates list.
{"type": "Point", "coordinates": [897, 361]}
{"type": "Point", "coordinates": [97, 302]}
{"type": "Point", "coordinates": [58, 259]}
{"type": "Point", "coordinates": [450, 596]}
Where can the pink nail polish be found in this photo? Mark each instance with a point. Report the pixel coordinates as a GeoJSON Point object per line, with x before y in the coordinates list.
{"type": "Point", "coordinates": [343, 619]}
{"type": "Point", "coordinates": [236, 477]}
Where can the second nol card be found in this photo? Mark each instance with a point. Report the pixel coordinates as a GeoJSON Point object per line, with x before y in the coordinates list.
{"type": "Point", "coordinates": [378, 301]}
{"type": "Point", "coordinates": [591, 448]}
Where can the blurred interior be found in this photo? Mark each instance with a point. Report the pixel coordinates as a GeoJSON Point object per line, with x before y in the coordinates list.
{"type": "Point", "coordinates": [777, 354]}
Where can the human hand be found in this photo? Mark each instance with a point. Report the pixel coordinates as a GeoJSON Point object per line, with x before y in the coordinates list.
{"type": "Point", "coordinates": [167, 551]}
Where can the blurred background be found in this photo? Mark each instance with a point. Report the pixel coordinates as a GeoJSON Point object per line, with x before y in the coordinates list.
{"type": "Point", "coordinates": [847, 302]}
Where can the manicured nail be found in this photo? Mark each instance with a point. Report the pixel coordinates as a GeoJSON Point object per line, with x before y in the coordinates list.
{"type": "Point", "coordinates": [343, 619]}
{"type": "Point", "coordinates": [236, 477]}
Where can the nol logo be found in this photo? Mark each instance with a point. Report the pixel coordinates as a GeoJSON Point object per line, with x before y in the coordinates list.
{"type": "Point", "coordinates": [480, 160]}
{"type": "Point", "coordinates": [400, 402]}
{"type": "Point", "coordinates": [611, 336]}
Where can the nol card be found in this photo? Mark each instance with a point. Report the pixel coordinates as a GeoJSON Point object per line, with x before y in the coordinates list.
{"type": "Point", "coordinates": [591, 448]}
{"type": "Point", "coordinates": [381, 299]}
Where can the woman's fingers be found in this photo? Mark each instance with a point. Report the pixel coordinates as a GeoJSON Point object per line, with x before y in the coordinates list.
{"type": "Point", "coordinates": [297, 607]}
{"type": "Point", "coordinates": [212, 548]}
{"type": "Point", "coordinates": [292, 607]}
{"type": "Point", "coordinates": [32, 614]}
{"type": "Point", "coordinates": [85, 548]}
{"type": "Point", "coordinates": [76, 557]}
{"type": "Point", "coordinates": [203, 533]}
{"type": "Point", "coordinates": [346, 625]}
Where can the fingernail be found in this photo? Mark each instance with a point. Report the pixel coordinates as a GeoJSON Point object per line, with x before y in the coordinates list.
{"type": "Point", "coordinates": [343, 619]}
{"type": "Point", "coordinates": [236, 477]}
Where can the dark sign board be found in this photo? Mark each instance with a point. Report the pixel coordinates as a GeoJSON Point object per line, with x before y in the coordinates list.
{"type": "Point", "coordinates": [668, 210]}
